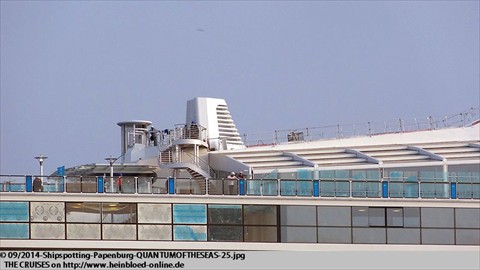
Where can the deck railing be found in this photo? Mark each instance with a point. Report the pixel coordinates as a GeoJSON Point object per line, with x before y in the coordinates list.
{"type": "Point", "coordinates": [463, 119]}
{"type": "Point", "coordinates": [399, 187]}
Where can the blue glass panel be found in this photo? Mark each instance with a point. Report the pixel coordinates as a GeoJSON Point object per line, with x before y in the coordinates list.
{"type": "Point", "coordinates": [14, 230]}
{"type": "Point", "coordinates": [287, 188]}
{"type": "Point", "coordinates": [190, 233]}
{"type": "Point", "coordinates": [427, 190]}
{"type": "Point", "coordinates": [14, 211]}
{"type": "Point", "coordinates": [359, 189]}
{"type": "Point", "coordinates": [190, 213]}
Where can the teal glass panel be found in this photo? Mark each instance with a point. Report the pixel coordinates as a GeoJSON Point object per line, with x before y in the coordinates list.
{"type": "Point", "coordinates": [14, 230]}
{"type": "Point", "coordinates": [411, 190]}
{"type": "Point", "coordinates": [272, 175]}
{"type": "Point", "coordinates": [476, 177]}
{"type": "Point", "coordinates": [442, 190]}
{"type": "Point", "coordinates": [253, 187]}
{"type": "Point", "coordinates": [464, 191]}
{"type": "Point", "coordinates": [427, 190]}
{"type": "Point", "coordinates": [373, 175]}
{"type": "Point", "coordinates": [327, 175]}
{"type": "Point", "coordinates": [189, 233]}
{"type": "Point", "coordinates": [304, 188]}
{"type": "Point", "coordinates": [374, 189]}
{"type": "Point", "coordinates": [395, 175]}
{"type": "Point", "coordinates": [395, 189]}
{"type": "Point", "coordinates": [427, 176]}
{"type": "Point", "coordinates": [359, 186]}
{"type": "Point", "coordinates": [476, 191]}
{"type": "Point", "coordinates": [342, 188]}
{"type": "Point", "coordinates": [14, 211]}
{"type": "Point", "coordinates": [287, 188]}
{"type": "Point", "coordinates": [304, 174]}
{"type": "Point", "coordinates": [342, 175]}
{"type": "Point", "coordinates": [327, 188]}
{"type": "Point", "coordinates": [189, 213]}
{"type": "Point", "coordinates": [359, 189]}
{"type": "Point", "coordinates": [270, 187]}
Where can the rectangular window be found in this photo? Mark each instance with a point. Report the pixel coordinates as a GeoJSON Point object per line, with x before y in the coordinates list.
{"type": "Point", "coordinates": [189, 233]}
{"type": "Point", "coordinates": [14, 231]}
{"type": "Point", "coordinates": [154, 213]}
{"type": "Point", "coordinates": [360, 216]}
{"type": "Point", "coordinates": [334, 216]}
{"type": "Point", "coordinates": [47, 212]}
{"type": "Point", "coordinates": [119, 213]}
{"type": "Point", "coordinates": [224, 214]}
{"type": "Point", "coordinates": [119, 232]}
{"type": "Point", "coordinates": [335, 235]}
{"type": "Point", "coordinates": [411, 217]}
{"type": "Point", "coordinates": [298, 215]}
{"type": "Point", "coordinates": [225, 233]}
{"type": "Point", "coordinates": [260, 234]}
{"type": "Point", "coordinates": [395, 217]}
{"type": "Point", "coordinates": [14, 211]}
{"type": "Point", "coordinates": [83, 212]}
{"type": "Point", "coordinates": [155, 232]}
{"type": "Point", "coordinates": [260, 214]}
{"type": "Point", "coordinates": [376, 217]}
{"type": "Point", "coordinates": [437, 217]}
{"type": "Point", "coordinates": [189, 214]}
{"type": "Point", "coordinates": [299, 234]}
{"type": "Point", "coordinates": [83, 231]}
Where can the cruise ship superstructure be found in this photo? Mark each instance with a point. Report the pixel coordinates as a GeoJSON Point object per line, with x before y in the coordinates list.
{"type": "Point", "coordinates": [410, 188]}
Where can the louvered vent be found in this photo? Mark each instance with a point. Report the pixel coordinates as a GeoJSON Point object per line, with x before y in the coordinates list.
{"type": "Point", "coordinates": [226, 127]}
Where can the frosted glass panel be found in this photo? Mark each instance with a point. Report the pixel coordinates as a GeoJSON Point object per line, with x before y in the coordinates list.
{"type": "Point", "coordinates": [14, 230]}
{"type": "Point", "coordinates": [13, 211]}
{"type": "Point", "coordinates": [48, 231]}
{"type": "Point", "coordinates": [47, 212]}
{"type": "Point", "coordinates": [155, 232]}
{"type": "Point", "coordinates": [119, 232]}
{"type": "Point", "coordinates": [83, 231]}
{"type": "Point", "coordinates": [154, 213]}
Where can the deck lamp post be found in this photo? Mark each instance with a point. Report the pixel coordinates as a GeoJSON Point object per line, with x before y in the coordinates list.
{"type": "Point", "coordinates": [111, 160]}
{"type": "Point", "coordinates": [41, 159]}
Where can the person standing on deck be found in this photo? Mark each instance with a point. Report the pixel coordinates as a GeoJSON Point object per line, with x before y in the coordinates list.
{"type": "Point", "coordinates": [120, 182]}
{"type": "Point", "coordinates": [232, 182]}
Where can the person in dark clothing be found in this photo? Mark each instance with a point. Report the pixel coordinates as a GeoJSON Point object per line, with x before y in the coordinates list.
{"type": "Point", "coordinates": [37, 185]}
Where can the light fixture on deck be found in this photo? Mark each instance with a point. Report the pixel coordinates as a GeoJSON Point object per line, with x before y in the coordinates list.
{"type": "Point", "coordinates": [111, 160]}
{"type": "Point", "coordinates": [41, 158]}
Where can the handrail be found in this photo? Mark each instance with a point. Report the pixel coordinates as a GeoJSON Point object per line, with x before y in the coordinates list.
{"type": "Point", "coordinates": [463, 119]}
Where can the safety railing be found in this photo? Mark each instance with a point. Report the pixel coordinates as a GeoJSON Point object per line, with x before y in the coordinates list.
{"type": "Point", "coordinates": [453, 187]}
{"type": "Point", "coordinates": [338, 131]}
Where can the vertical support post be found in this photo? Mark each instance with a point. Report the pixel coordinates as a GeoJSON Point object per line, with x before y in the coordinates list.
{"type": "Point", "coordinates": [171, 185]}
{"type": "Point", "coordinates": [100, 184]}
{"type": "Point", "coordinates": [316, 188]}
{"type": "Point", "coordinates": [453, 190]}
{"type": "Point", "coordinates": [384, 189]}
{"type": "Point", "coordinates": [28, 183]}
{"type": "Point", "coordinates": [241, 186]}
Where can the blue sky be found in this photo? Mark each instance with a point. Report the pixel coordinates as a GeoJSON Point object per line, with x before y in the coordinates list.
{"type": "Point", "coordinates": [71, 70]}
